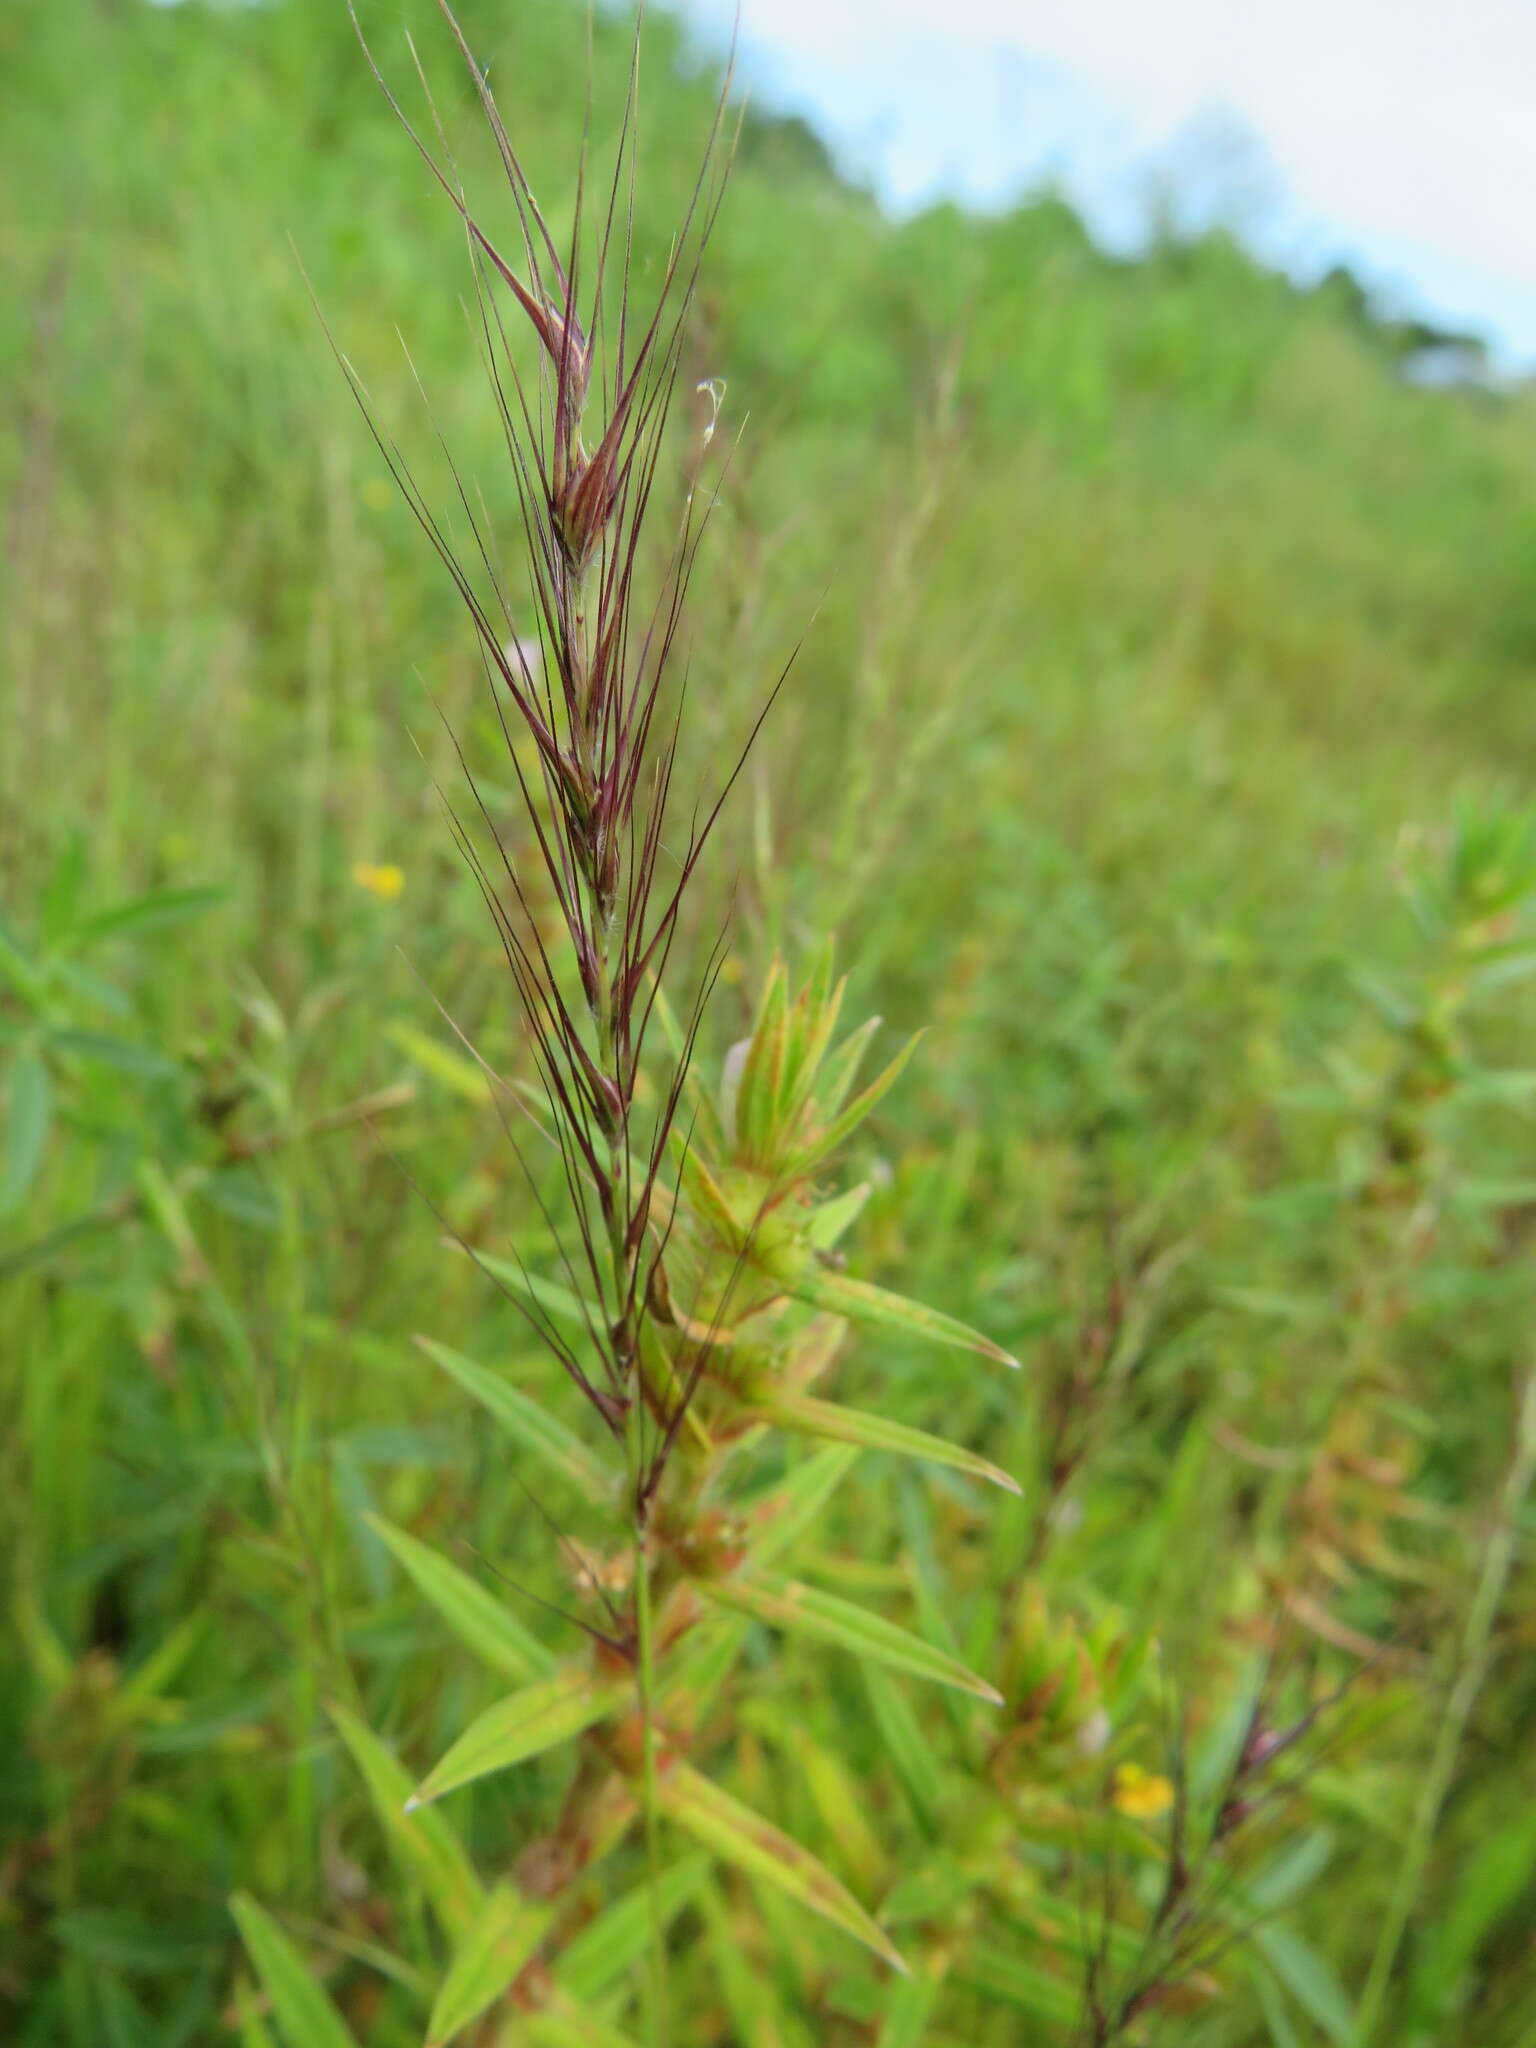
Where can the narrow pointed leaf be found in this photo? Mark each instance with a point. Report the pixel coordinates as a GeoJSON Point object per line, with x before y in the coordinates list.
{"type": "Point", "coordinates": [861, 1302]}
{"type": "Point", "coordinates": [701, 1103]}
{"type": "Point", "coordinates": [526, 1421]}
{"type": "Point", "coordinates": [779, 1519]}
{"type": "Point", "coordinates": [254, 2031]}
{"type": "Point", "coordinates": [823, 994]}
{"type": "Point", "coordinates": [710, 1199]}
{"type": "Point", "coordinates": [1309, 1977]}
{"type": "Point", "coordinates": [1009, 1977]}
{"type": "Point", "coordinates": [562, 2023]}
{"type": "Point", "coordinates": [847, 1121]}
{"type": "Point", "coordinates": [823, 1006]}
{"type": "Point", "coordinates": [758, 1087]}
{"type": "Point", "coordinates": [738, 1836]}
{"type": "Point", "coordinates": [827, 1222]}
{"type": "Point", "coordinates": [617, 1939]}
{"type": "Point", "coordinates": [28, 1117]}
{"type": "Point", "coordinates": [305, 2016]}
{"type": "Point", "coordinates": [782, 1517]}
{"type": "Point", "coordinates": [146, 913]}
{"type": "Point", "coordinates": [504, 1935]}
{"type": "Point", "coordinates": [481, 1620]}
{"type": "Point", "coordinates": [798, 1025]}
{"type": "Point", "coordinates": [837, 1075]}
{"type": "Point", "coordinates": [1493, 1878]}
{"type": "Point", "coordinates": [908, 2011]}
{"type": "Point", "coordinates": [121, 1054]}
{"type": "Point", "coordinates": [797, 1608]}
{"type": "Point", "coordinates": [28, 981]}
{"type": "Point", "coordinates": [753, 2001]}
{"type": "Point", "coordinates": [454, 1069]}
{"type": "Point", "coordinates": [423, 1842]}
{"type": "Point", "coordinates": [806, 1416]}
{"type": "Point", "coordinates": [523, 1725]}
{"type": "Point", "coordinates": [556, 1301]}
{"type": "Point", "coordinates": [835, 1787]}
{"type": "Point", "coordinates": [910, 1751]}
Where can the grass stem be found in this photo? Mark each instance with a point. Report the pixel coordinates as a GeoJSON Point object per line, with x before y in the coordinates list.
{"type": "Point", "coordinates": [656, 2022]}
{"type": "Point", "coordinates": [1476, 1655]}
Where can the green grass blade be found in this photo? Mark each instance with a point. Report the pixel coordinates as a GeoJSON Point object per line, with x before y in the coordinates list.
{"type": "Point", "coordinates": [917, 1764]}
{"type": "Point", "coordinates": [254, 2031]}
{"type": "Point", "coordinates": [562, 2023]}
{"type": "Point", "coordinates": [1490, 1884]}
{"type": "Point", "coordinates": [806, 1416]}
{"type": "Point", "coordinates": [752, 2002]}
{"type": "Point", "coordinates": [161, 907]}
{"type": "Point", "coordinates": [27, 981]}
{"type": "Point", "coordinates": [142, 1062]}
{"type": "Point", "coordinates": [522, 1726]}
{"type": "Point", "coordinates": [740, 1837]}
{"type": "Point", "coordinates": [848, 1120]}
{"type": "Point", "coordinates": [908, 2011]}
{"type": "Point", "coordinates": [480, 1621]}
{"type": "Point", "coordinates": [838, 1071]}
{"type": "Point", "coordinates": [757, 1094]}
{"type": "Point", "coordinates": [817, 1011]}
{"type": "Point", "coordinates": [454, 1069]}
{"type": "Point", "coordinates": [528, 1422]}
{"type": "Point", "coordinates": [124, 2022]}
{"type": "Point", "coordinates": [835, 1786]}
{"type": "Point", "coordinates": [422, 1842]}
{"type": "Point", "coordinates": [781, 1518]}
{"type": "Point", "coordinates": [549, 1295]}
{"type": "Point", "coordinates": [502, 1938]}
{"type": "Point", "coordinates": [829, 1221]}
{"type": "Point", "coordinates": [789, 1605]}
{"type": "Point", "coordinates": [305, 2015]}
{"type": "Point", "coordinates": [701, 1103]}
{"type": "Point", "coordinates": [616, 1940]}
{"type": "Point", "coordinates": [1309, 1978]}
{"type": "Point", "coordinates": [1009, 1977]}
{"type": "Point", "coordinates": [28, 1119]}
{"type": "Point", "coordinates": [862, 1302]}
{"type": "Point", "coordinates": [1273, 2008]}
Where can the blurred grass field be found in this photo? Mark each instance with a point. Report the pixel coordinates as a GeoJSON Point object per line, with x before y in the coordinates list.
{"type": "Point", "coordinates": [1154, 628]}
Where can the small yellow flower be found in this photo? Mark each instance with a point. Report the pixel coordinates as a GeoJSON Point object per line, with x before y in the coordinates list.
{"type": "Point", "coordinates": [1141, 1795]}
{"type": "Point", "coordinates": [385, 881]}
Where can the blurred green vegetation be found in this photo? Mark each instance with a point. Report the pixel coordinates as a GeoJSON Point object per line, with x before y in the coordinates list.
{"type": "Point", "coordinates": [1155, 631]}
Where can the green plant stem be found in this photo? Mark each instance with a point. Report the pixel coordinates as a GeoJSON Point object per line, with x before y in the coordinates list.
{"type": "Point", "coordinates": [645, 1683]}
{"type": "Point", "coordinates": [1473, 1663]}
{"type": "Point", "coordinates": [644, 1654]}
{"type": "Point", "coordinates": [644, 1633]}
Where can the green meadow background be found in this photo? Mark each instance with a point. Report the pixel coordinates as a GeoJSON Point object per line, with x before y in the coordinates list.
{"type": "Point", "coordinates": [1156, 638]}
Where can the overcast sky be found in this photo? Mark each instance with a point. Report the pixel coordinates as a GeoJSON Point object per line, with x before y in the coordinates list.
{"type": "Point", "coordinates": [1398, 133]}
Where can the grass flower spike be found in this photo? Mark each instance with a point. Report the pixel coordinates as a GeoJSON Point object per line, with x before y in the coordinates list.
{"type": "Point", "coordinates": [700, 1293]}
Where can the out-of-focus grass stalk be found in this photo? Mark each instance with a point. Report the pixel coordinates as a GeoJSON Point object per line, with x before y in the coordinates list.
{"type": "Point", "coordinates": [713, 1291]}
{"type": "Point", "coordinates": [1475, 1656]}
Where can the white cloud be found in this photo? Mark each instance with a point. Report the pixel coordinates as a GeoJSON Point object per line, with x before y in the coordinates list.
{"type": "Point", "coordinates": [1403, 131]}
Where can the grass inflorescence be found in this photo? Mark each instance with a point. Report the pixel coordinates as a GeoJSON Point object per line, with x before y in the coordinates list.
{"type": "Point", "coordinates": [478, 1483]}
